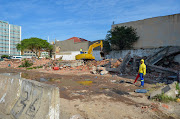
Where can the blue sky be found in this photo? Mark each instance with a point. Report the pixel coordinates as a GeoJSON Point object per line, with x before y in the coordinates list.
{"type": "Point", "coordinates": [89, 19]}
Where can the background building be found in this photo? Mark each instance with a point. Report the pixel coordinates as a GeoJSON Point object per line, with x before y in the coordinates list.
{"type": "Point", "coordinates": [28, 53]}
{"type": "Point", "coordinates": [69, 48]}
{"type": "Point", "coordinates": [10, 35]}
{"type": "Point", "coordinates": [156, 32]}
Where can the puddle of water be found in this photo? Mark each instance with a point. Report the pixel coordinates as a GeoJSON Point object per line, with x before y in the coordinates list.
{"type": "Point", "coordinates": [54, 80]}
{"type": "Point", "coordinates": [85, 82]}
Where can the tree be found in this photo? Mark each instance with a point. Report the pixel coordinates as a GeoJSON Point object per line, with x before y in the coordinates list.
{"type": "Point", "coordinates": [4, 56]}
{"type": "Point", "coordinates": [50, 49]}
{"type": "Point", "coordinates": [106, 46]}
{"type": "Point", "coordinates": [34, 44]}
{"type": "Point", "coordinates": [121, 38]}
{"type": "Point", "coordinates": [21, 48]}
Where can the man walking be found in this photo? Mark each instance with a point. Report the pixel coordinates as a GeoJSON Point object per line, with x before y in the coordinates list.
{"type": "Point", "coordinates": [142, 72]}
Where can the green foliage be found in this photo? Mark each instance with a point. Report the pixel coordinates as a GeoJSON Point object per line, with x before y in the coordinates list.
{"type": "Point", "coordinates": [26, 63]}
{"type": "Point", "coordinates": [50, 50]}
{"type": "Point", "coordinates": [177, 86]}
{"type": "Point", "coordinates": [34, 67]}
{"type": "Point", "coordinates": [163, 98]}
{"type": "Point", "coordinates": [106, 46]}
{"type": "Point", "coordinates": [121, 38]}
{"type": "Point", "coordinates": [47, 57]}
{"type": "Point", "coordinates": [4, 56]}
{"type": "Point", "coordinates": [35, 45]}
{"type": "Point", "coordinates": [178, 89]}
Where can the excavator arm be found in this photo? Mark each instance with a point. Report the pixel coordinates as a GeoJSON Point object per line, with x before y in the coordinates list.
{"type": "Point", "coordinates": [96, 44]}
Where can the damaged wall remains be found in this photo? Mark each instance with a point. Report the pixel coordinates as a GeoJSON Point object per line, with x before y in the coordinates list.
{"type": "Point", "coordinates": [156, 32]}
{"type": "Point", "coordinates": [134, 52]}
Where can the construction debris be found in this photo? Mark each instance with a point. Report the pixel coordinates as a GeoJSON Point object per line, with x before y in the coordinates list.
{"type": "Point", "coordinates": [169, 90]}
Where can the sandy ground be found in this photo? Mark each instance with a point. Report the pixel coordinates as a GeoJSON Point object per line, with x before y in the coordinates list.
{"type": "Point", "coordinates": [88, 96]}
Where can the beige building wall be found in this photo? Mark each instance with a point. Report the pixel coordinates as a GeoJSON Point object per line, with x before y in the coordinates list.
{"type": "Point", "coordinates": [156, 32]}
{"type": "Point", "coordinates": [69, 45]}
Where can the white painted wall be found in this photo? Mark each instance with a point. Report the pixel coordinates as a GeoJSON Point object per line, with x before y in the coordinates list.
{"type": "Point", "coordinates": [71, 55]}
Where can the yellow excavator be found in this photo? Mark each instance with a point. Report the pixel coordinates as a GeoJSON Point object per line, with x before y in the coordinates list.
{"type": "Point", "coordinates": [87, 55]}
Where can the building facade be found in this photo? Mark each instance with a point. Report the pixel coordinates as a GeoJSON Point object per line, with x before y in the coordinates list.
{"type": "Point", "coordinates": [10, 35]}
{"type": "Point", "coordinates": [156, 32]}
{"type": "Point", "coordinates": [69, 48]}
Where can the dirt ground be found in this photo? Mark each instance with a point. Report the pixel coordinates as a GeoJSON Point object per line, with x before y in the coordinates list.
{"type": "Point", "coordinates": [93, 96]}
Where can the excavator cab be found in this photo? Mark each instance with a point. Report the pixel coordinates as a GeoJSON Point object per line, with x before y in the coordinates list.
{"type": "Point", "coordinates": [84, 52]}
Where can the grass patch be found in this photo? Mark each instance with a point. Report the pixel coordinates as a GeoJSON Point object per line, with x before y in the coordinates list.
{"type": "Point", "coordinates": [34, 67]}
{"type": "Point", "coordinates": [26, 63]}
{"type": "Point", "coordinates": [178, 88]}
{"type": "Point", "coordinates": [153, 88]}
{"type": "Point", "coordinates": [164, 98]}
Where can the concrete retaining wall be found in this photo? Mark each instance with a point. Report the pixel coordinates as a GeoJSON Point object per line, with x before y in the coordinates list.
{"type": "Point", "coordinates": [27, 99]}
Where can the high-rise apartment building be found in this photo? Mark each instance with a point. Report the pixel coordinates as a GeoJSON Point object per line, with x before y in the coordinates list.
{"type": "Point", "coordinates": [10, 35]}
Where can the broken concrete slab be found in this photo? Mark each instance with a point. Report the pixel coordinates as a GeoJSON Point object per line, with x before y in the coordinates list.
{"type": "Point", "coordinates": [126, 59]}
{"type": "Point", "coordinates": [162, 69]}
{"type": "Point", "coordinates": [169, 90]}
{"type": "Point", "coordinates": [103, 72]}
{"type": "Point", "coordinates": [166, 51]}
{"type": "Point", "coordinates": [26, 99]}
{"type": "Point", "coordinates": [157, 56]}
{"type": "Point", "coordinates": [101, 68]}
{"type": "Point", "coordinates": [122, 67]}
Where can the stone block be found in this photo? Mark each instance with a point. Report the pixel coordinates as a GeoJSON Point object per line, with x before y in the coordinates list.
{"type": "Point", "coordinates": [169, 90]}
{"type": "Point", "coordinates": [104, 72]}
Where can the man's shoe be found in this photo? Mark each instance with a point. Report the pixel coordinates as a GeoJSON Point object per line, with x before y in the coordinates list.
{"type": "Point", "coordinates": [141, 86]}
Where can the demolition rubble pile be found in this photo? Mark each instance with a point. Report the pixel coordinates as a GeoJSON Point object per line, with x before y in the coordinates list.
{"type": "Point", "coordinates": [92, 66]}
{"type": "Point", "coordinates": [160, 65]}
{"type": "Point", "coordinates": [10, 63]}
